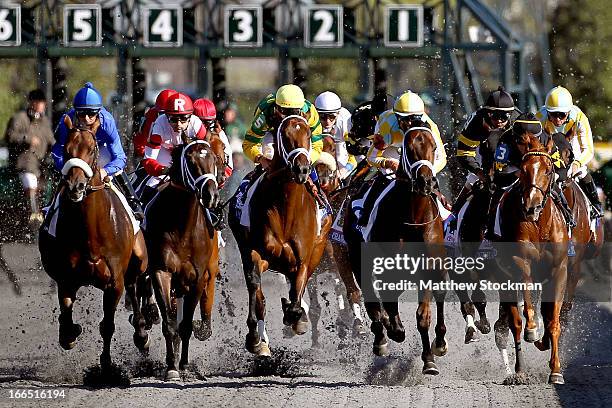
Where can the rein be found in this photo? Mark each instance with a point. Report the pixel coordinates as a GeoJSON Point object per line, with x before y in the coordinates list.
{"type": "Point", "coordinates": [420, 224]}
{"type": "Point", "coordinates": [548, 190]}
{"type": "Point", "coordinates": [196, 183]}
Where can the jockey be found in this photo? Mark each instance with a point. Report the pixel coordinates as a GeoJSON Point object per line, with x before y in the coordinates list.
{"type": "Point", "coordinates": [271, 110]}
{"type": "Point", "coordinates": [166, 133]}
{"type": "Point", "coordinates": [388, 141]}
{"type": "Point", "coordinates": [88, 111]}
{"type": "Point", "coordinates": [335, 122]}
{"type": "Point", "coordinates": [496, 115]}
{"type": "Point", "coordinates": [559, 114]}
{"type": "Point", "coordinates": [206, 111]}
{"type": "Point", "coordinates": [362, 124]}
{"type": "Point", "coordinates": [508, 161]}
{"type": "Point", "coordinates": [142, 135]}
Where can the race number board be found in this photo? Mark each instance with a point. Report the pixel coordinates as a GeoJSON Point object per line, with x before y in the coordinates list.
{"type": "Point", "coordinates": [82, 25]}
{"type": "Point", "coordinates": [10, 25]}
{"type": "Point", "coordinates": [162, 26]}
{"type": "Point", "coordinates": [243, 26]}
{"type": "Point", "coordinates": [403, 26]}
{"type": "Point", "coordinates": [323, 26]}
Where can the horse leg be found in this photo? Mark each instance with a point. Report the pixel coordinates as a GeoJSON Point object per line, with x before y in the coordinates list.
{"type": "Point", "coordinates": [440, 346]}
{"type": "Point", "coordinates": [479, 300]}
{"type": "Point", "coordinates": [423, 318]}
{"type": "Point", "coordinates": [572, 281]}
{"type": "Point", "coordinates": [68, 331]}
{"type": "Point", "coordinates": [314, 310]}
{"type": "Point", "coordinates": [553, 326]}
{"type": "Point", "coordinates": [516, 324]}
{"type": "Point", "coordinates": [111, 299]}
{"type": "Point", "coordinates": [501, 329]}
{"type": "Point", "coordinates": [294, 313]}
{"type": "Point", "coordinates": [468, 312]}
{"type": "Point", "coordinates": [353, 293]}
{"type": "Point", "coordinates": [141, 337]}
{"type": "Point", "coordinates": [531, 327]}
{"type": "Point", "coordinates": [185, 328]}
{"type": "Point", "coordinates": [146, 296]}
{"type": "Point", "coordinates": [162, 285]}
{"type": "Point", "coordinates": [203, 330]}
{"type": "Point", "coordinates": [395, 329]}
{"type": "Point", "coordinates": [257, 338]}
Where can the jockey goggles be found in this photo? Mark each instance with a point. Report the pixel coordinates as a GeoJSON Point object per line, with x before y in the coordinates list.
{"type": "Point", "coordinates": [288, 111]}
{"type": "Point", "coordinates": [409, 118]}
{"type": "Point", "coordinates": [179, 118]}
{"type": "Point", "coordinates": [87, 112]}
{"type": "Point", "coordinates": [209, 123]}
{"type": "Point", "coordinates": [328, 115]}
{"type": "Point", "coordinates": [499, 115]}
{"type": "Point", "coordinates": [557, 115]}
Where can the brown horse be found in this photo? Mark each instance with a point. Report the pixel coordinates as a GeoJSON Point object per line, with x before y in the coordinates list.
{"type": "Point", "coordinates": [587, 243]}
{"type": "Point", "coordinates": [407, 213]}
{"type": "Point", "coordinates": [94, 244]}
{"type": "Point", "coordinates": [184, 260]}
{"type": "Point", "coordinates": [283, 235]}
{"type": "Point", "coordinates": [541, 235]}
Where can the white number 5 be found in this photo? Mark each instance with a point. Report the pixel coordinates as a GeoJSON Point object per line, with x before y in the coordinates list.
{"type": "Point", "coordinates": [82, 27]}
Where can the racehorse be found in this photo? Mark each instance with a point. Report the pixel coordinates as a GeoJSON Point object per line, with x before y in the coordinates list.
{"type": "Point", "coordinates": [587, 243]}
{"type": "Point", "coordinates": [183, 246]}
{"type": "Point", "coordinates": [541, 235]}
{"type": "Point", "coordinates": [407, 213]}
{"type": "Point", "coordinates": [94, 243]}
{"type": "Point", "coordinates": [283, 235]}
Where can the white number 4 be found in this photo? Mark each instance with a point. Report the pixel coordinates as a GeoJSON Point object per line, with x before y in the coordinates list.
{"type": "Point", "coordinates": [162, 25]}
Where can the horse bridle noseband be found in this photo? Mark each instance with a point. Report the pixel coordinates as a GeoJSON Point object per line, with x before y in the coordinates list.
{"type": "Point", "coordinates": [196, 183]}
{"type": "Point", "coordinates": [83, 165]}
{"type": "Point", "coordinates": [548, 190]}
{"type": "Point", "coordinates": [289, 157]}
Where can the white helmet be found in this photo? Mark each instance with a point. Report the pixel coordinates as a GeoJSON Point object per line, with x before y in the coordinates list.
{"type": "Point", "coordinates": [328, 102]}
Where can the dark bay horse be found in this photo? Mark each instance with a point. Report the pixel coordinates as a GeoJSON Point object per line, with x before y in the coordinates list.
{"type": "Point", "coordinates": [283, 234]}
{"type": "Point", "coordinates": [407, 213]}
{"type": "Point", "coordinates": [94, 244]}
{"type": "Point", "coordinates": [541, 235]}
{"type": "Point", "coordinates": [184, 260]}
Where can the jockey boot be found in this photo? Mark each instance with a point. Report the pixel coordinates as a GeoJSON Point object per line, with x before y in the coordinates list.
{"type": "Point", "coordinates": [126, 188]}
{"type": "Point", "coordinates": [461, 199]}
{"type": "Point", "coordinates": [559, 199]}
{"type": "Point", "coordinates": [588, 186]}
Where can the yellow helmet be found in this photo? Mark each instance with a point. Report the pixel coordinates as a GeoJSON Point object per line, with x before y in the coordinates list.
{"type": "Point", "coordinates": [559, 100]}
{"type": "Point", "coordinates": [290, 96]}
{"type": "Point", "coordinates": [409, 103]}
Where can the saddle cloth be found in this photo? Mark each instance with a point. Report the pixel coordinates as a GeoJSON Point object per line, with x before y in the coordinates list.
{"type": "Point", "coordinates": [52, 213]}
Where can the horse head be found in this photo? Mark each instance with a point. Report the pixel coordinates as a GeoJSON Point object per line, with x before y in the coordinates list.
{"type": "Point", "coordinates": [418, 153]}
{"type": "Point", "coordinates": [194, 166]}
{"type": "Point", "coordinates": [536, 176]}
{"type": "Point", "coordinates": [327, 167]}
{"type": "Point", "coordinates": [293, 146]}
{"type": "Point", "coordinates": [80, 159]}
{"type": "Point", "coordinates": [221, 158]}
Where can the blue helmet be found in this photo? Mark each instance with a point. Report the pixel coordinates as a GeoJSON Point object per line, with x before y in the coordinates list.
{"type": "Point", "coordinates": [88, 97]}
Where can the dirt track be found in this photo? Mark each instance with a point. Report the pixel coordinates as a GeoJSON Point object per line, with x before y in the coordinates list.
{"type": "Point", "coordinates": [340, 373]}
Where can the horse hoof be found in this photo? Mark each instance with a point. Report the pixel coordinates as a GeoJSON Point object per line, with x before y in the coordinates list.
{"type": "Point", "coordinates": [483, 325]}
{"type": "Point", "coordinates": [531, 335]}
{"type": "Point", "coordinates": [264, 350]}
{"type": "Point", "coordinates": [439, 351]}
{"type": "Point", "coordinates": [201, 330]}
{"type": "Point", "coordinates": [381, 350]}
{"type": "Point", "coordinates": [397, 335]}
{"type": "Point", "coordinates": [172, 375]}
{"type": "Point", "coordinates": [358, 328]}
{"type": "Point", "coordinates": [68, 340]}
{"type": "Point", "coordinates": [301, 326]}
{"type": "Point", "coordinates": [142, 343]}
{"type": "Point", "coordinates": [470, 335]}
{"type": "Point", "coordinates": [151, 314]}
{"type": "Point", "coordinates": [556, 378]}
{"type": "Point", "coordinates": [430, 368]}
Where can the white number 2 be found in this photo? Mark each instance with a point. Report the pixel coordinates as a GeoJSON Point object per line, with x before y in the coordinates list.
{"type": "Point", "coordinates": [6, 28]}
{"type": "Point", "coordinates": [324, 34]}
{"type": "Point", "coordinates": [245, 25]}
{"type": "Point", "coordinates": [82, 27]}
{"type": "Point", "coordinates": [162, 25]}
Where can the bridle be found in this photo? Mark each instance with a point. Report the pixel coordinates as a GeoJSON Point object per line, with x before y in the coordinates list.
{"type": "Point", "coordinates": [196, 184]}
{"type": "Point", "coordinates": [83, 165]}
{"type": "Point", "coordinates": [550, 175]}
{"type": "Point", "coordinates": [290, 157]}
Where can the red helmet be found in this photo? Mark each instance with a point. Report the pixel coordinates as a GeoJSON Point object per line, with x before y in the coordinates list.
{"type": "Point", "coordinates": [178, 104]}
{"type": "Point", "coordinates": [162, 98]}
{"type": "Point", "coordinates": [204, 109]}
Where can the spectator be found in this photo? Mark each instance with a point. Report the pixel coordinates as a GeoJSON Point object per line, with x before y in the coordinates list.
{"type": "Point", "coordinates": [230, 122]}
{"type": "Point", "coordinates": [29, 136]}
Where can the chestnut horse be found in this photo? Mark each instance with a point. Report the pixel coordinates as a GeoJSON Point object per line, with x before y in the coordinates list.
{"type": "Point", "coordinates": [184, 260]}
{"type": "Point", "coordinates": [541, 235]}
{"type": "Point", "coordinates": [94, 243]}
{"type": "Point", "coordinates": [283, 234]}
{"type": "Point", "coordinates": [407, 213]}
